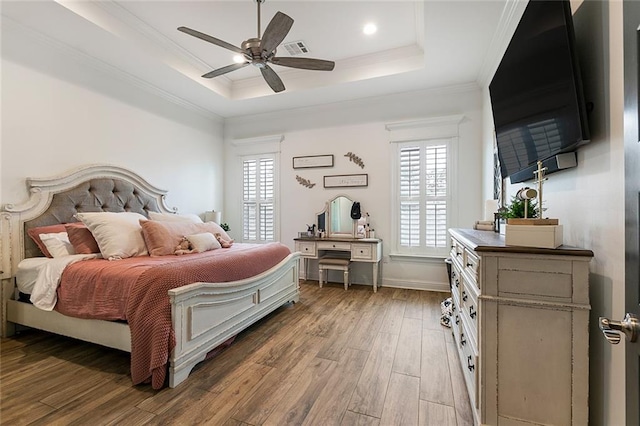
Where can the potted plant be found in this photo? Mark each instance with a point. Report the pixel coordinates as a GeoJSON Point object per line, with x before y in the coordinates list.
{"type": "Point", "coordinates": [516, 209]}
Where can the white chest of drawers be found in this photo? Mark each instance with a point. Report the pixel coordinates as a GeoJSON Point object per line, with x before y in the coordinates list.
{"type": "Point", "coordinates": [367, 250]}
{"type": "Point", "coordinates": [520, 323]}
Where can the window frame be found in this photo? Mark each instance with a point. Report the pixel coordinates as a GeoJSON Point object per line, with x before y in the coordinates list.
{"type": "Point", "coordinates": [422, 198]}
{"type": "Point", "coordinates": [258, 201]}
{"type": "Point", "coordinates": [259, 147]}
{"type": "Point", "coordinates": [425, 132]}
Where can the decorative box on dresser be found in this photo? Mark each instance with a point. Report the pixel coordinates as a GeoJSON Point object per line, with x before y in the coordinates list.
{"type": "Point", "coordinates": [520, 324]}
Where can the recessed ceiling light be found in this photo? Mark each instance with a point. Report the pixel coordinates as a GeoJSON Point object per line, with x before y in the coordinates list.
{"type": "Point", "coordinates": [370, 29]}
{"type": "Point", "coordinates": [238, 59]}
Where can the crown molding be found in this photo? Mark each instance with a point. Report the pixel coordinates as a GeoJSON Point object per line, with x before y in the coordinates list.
{"type": "Point", "coordinates": [507, 24]}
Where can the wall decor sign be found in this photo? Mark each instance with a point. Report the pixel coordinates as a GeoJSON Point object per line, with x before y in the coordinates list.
{"type": "Point", "coordinates": [342, 181]}
{"type": "Point", "coordinates": [310, 161]}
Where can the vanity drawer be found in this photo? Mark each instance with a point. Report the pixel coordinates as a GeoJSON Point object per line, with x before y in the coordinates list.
{"type": "Point", "coordinates": [334, 245]}
{"type": "Point", "coordinates": [362, 252]}
{"type": "Point", "coordinates": [307, 249]}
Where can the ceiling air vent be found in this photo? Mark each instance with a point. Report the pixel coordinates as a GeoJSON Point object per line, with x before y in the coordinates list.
{"type": "Point", "coordinates": [296, 48]}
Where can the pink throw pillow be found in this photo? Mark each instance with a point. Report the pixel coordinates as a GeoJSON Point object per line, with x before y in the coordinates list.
{"type": "Point", "coordinates": [162, 237]}
{"type": "Point", "coordinates": [34, 233]}
{"type": "Point", "coordinates": [81, 238]}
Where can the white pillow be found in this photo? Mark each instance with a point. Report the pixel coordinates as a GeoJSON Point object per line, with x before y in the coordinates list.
{"type": "Point", "coordinates": [119, 235]}
{"type": "Point", "coordinates": [57, 244]}
{"type": "Point", "coordinates": [203, 242]}
{"type": "Point", "coordinates": [170, 217]}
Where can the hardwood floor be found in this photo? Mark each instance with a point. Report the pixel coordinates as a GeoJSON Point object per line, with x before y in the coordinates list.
{"type": "Point", "coordinates": [335, 358]}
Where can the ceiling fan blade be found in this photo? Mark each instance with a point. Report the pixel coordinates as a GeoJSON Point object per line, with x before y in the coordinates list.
{"type": "Point", "coordinates": [272, 79]}
{"type": "Point", "coordinates": [304, 63]}
{"type": "Point", "coordinates": [225, 70]}
{"type": "Point", "coordinates": [276, 31]}
{"type": "Point", "coordinates": [210, 39]}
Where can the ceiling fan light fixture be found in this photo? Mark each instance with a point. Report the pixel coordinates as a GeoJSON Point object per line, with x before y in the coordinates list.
{"type": "Point", "coordinates": [260, 51]}
{"type": "Point", "coordinates": [370, 28]}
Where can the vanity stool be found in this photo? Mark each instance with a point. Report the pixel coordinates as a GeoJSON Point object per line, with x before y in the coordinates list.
{"type": "Point", "coordinates": [331, 263]}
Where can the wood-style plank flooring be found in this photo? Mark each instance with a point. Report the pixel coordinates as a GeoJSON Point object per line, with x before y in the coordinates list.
{"type": "Point", "coordinates": [335, 358]}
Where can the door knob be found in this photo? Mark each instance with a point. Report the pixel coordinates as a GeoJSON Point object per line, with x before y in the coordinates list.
{"type": "Point", "coordinates": [630, 326]}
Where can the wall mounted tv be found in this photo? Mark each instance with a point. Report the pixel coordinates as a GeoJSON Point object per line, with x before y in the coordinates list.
{"type": "Point", "coordinates": [536, 94]}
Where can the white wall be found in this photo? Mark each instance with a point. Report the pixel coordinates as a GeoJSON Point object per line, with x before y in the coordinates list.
{"type": "Point", "coordinates": [59, 113]}
{"type": "Point", "coordinates": [359, 127]}
{"type": "Point", "coordinates": [588, 200]}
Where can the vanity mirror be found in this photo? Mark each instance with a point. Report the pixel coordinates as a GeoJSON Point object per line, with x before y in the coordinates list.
{"type": "Point", "coordinates": [335, 219]}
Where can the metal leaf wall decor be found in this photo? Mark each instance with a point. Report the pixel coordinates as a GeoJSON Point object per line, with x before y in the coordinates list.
{"type": "Point", "coordinates": [305, 182]}
{"type": "Point", "coordinates": [354, 158]}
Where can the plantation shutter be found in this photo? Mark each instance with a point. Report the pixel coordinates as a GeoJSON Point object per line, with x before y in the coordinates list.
{"type": "Point", "coordinates": [423, 194]}
{"type": "Point", "coordinates": [258, 199]}
{"type": "Point", "coordinates": [436, 196]}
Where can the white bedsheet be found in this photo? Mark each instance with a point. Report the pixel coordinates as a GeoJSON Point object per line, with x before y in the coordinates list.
{"type": "Point", "coordinates": [27, 273]}
{"type": "Point", "coordinates": [47, 273]}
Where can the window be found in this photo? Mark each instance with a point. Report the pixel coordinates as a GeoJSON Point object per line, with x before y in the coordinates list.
{"type": "Point", "coordinates": [423, 175]}
{"type": "Point", "coordinates": [423, 194]}
{"type": "Point", "coordinates": [258, 211]}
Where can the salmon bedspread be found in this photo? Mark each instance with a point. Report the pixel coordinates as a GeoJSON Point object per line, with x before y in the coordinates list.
{"type": "Point", "coordinates": [136, 290]}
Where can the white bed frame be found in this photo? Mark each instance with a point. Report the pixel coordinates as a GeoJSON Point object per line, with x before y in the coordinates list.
{"type": "Point", "coordinates": [204, 315]}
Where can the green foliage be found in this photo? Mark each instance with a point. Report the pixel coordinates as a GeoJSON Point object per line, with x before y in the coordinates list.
{"type": "Point", "coordinates": [225, 226]}
{"type": "Point", "coordinates": [516, 209]}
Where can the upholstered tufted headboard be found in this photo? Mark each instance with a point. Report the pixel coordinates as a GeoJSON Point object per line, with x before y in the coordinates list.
{"type": "Point", "coordinates": [94, 188]}
{"type": "Point", "coordinates": [95, 195]}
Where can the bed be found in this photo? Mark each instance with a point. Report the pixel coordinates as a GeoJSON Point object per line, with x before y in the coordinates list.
{"type": "Point", "coordinates": [200, 315]}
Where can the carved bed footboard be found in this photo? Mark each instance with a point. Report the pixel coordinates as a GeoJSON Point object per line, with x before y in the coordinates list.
{"type": "Point", "coordinates": [205, 315]}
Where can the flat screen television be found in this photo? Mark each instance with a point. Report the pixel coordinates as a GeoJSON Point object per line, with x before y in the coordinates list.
{"type": "Point", "coordinates": [536, 93]}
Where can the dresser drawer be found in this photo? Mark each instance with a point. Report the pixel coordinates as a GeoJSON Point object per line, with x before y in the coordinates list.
{"type": "Point", "coordinates": [307, 249]}
{"type": "Point", "coordinates": [470, 364]}
{"type": "Point", "coordinates": [363, 252]}
{"type": "Point", "coordinates": [469, 309]}
{"type": "Point", "coordinates": [457, 250]}
{"type": "Point", "coordinates": [472, 266]}
{"type": "Point", "coordinates": [456, 279]}
{"type": "Point", "coordinates": [334, 245]}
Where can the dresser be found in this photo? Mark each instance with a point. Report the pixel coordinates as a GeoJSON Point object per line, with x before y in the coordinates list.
{"type": "Point", "coordinates": [367, 250]}
{"type": "Point", "coordinates": [520, 324]}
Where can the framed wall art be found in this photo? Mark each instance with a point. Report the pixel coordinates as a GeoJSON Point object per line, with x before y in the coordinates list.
{"type": "Point", "coordinates": [311, 161]}
{"type": "Point", "coordinates": [344, 181]}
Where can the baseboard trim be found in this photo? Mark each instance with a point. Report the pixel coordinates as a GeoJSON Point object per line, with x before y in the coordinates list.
{"type": "Point", "coordinates": [416, 285]}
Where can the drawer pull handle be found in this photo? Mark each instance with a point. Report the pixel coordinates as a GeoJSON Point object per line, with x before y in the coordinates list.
{"type": "Point", "coordinates": [464, 295]}
{"type": "Point", "coordinates": [469, 265]}
{"type": "Point", "coordinates": [470, 366]}
{"type": "Point", "coordinates": [361, 251]}
{"type": "Point", "coordinates": [457, 282]}
{"type": "Point", "coordinates": [457, 320]}
{"type": "Point", "coordinates": [463, 341]}
{"type": "Point", "coordinates": [472, 312]}
{"type": "Point", "coordinates": [453, 307]}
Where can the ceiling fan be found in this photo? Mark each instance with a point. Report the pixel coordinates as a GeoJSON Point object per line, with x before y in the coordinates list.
{"type": "Point", "coordinates": [259, 52]}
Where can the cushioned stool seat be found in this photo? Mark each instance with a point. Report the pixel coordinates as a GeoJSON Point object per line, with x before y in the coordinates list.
{"type": "Point", "coordinates": [329, 263]}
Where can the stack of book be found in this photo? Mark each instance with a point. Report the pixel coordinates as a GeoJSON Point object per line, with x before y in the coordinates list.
{"type": "Point", "coordinates": [483, 225]}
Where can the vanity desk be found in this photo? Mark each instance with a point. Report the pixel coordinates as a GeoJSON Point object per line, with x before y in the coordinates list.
{"type": "Point", "coordinates": [356, 249]}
